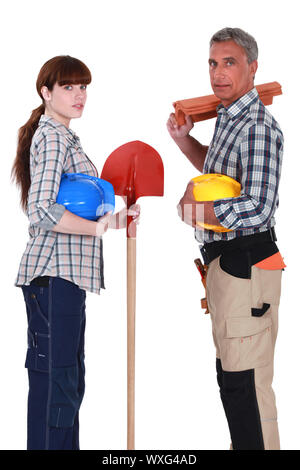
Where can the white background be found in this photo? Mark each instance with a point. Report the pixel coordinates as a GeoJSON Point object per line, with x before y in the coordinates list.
{"type": "Point", "coordinates": [143, 56]}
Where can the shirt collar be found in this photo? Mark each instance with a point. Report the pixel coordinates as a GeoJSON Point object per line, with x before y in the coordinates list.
{"type": "Point", "coordinates": [66, 131]}
{"type": "Point", "coordinates": [240, 105]}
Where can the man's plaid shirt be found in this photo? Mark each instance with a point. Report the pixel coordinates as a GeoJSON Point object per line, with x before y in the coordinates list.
{"type": "Point", "coordinates": [248, 146]}
{"type": "Point", "coordinates": [56, 149]}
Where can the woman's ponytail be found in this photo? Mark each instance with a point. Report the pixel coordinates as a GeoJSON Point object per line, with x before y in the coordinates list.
{"type": "Point", "coordinates": [21, 167]}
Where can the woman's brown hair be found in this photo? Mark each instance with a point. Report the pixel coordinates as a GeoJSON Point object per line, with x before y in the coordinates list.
{"type": "Point", "coordinates": [62, 70]}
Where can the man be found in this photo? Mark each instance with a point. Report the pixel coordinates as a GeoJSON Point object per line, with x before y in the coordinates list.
{"type": "Point", "coordinates": [242, 291]}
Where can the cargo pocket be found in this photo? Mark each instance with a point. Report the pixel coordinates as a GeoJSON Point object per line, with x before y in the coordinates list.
{"type": "Point", "coordinates": [37, 357]}
{"type": "Point", "coordinates": [247, 344]}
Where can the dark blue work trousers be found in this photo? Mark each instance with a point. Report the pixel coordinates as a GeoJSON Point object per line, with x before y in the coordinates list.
{"type": "Point", "coordinates": [55, 362]}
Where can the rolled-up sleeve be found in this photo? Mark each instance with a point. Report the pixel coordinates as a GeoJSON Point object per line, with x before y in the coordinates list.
{"type": "Point", "coordinates": [49, 157]}
{"type": "Point", "coordinates": [259, 159]}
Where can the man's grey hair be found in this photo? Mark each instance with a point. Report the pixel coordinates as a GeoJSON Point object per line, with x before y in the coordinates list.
{"type": "Point", "coordinates": [240, 37]}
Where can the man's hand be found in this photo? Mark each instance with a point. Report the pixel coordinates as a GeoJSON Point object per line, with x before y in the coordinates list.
{"type": "Point", "coordinates": [191, 211]}
{"type": "Point", "coordinates": [177, 132]}
{"type": "Point", "coordinates": [189, 146]}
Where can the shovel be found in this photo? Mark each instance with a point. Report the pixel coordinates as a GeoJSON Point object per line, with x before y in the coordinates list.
{"type": "Point", "coordinates": [135, 169]}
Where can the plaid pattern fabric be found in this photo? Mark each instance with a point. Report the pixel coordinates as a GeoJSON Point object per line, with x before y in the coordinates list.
{"type": "Point", "coordinates": [56, 149]}
{"type": "Point", "coordinates": [247, 145]}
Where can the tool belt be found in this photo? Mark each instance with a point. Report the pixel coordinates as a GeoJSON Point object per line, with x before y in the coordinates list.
{"type": "Point", "coordinates": [212, 250]}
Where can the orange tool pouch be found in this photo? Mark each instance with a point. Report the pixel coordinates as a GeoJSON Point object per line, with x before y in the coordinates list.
{"type": "Point", "coordinates": [202, 268]}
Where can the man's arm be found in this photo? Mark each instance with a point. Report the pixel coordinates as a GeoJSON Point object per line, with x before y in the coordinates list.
{"type": "Point", "coordinates": [191, 211]}
{"type": "Point", "coordinates": [260, 161]}
{"type": "Point", "coordinates": [191, 148]}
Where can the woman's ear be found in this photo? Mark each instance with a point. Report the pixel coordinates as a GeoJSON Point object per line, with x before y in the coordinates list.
{"type": "Point", "coordinates": [45, 93]}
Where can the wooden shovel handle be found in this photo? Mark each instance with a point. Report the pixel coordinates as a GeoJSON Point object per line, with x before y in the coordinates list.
{"type": "Point", "coordinates": [131, 301]}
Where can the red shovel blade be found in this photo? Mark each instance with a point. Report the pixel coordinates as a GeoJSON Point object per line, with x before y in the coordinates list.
{"type": "Point", "coordinates": [135, 169]}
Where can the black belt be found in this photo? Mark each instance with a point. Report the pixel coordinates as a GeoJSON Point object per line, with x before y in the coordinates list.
{"type": "Point", "coordinates": [212, 250]}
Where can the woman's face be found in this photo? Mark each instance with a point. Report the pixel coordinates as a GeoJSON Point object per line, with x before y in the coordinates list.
{"type": "Point", "coordinates": [65, 102]}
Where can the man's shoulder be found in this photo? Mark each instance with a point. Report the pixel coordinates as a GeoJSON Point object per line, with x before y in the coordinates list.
{"type": "Point", "coordinates": [260, 116]}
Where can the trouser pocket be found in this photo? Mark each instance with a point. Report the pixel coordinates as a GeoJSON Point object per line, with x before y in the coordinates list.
{"type": "Point", "coordinates": [247, 343]}
{"type": "Point", "coordinates": [37, 357]}
{"type": "Point", "coordinates": [38, 334]}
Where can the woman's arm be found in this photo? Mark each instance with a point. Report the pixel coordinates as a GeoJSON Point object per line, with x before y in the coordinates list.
{"type": "Point", "coordinates": [50, 151]}
{"type": "Point", "coordinates": [73, 224]}
{"type": "Point", "coordinates": [43, 211]}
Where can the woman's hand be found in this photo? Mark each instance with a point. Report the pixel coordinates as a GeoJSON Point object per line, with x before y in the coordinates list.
{"type": "Point", "coordinates": [102, 224]}
{"type": "Point", "coordinates": [119, 220]}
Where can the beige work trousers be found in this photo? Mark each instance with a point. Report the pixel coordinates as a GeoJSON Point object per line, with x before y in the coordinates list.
{"type": "Point", "coordinates": [245, 342]}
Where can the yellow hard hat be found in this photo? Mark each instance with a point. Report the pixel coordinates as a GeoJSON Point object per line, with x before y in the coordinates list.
{"type": "Point", "coordinates": [212, 186]}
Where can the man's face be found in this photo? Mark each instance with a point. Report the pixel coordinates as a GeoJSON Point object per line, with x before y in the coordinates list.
{"type": "Point", "coordinates": [230, 74]}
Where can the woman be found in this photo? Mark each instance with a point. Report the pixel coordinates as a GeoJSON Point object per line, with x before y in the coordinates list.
{"type": "Point", "coordinates": [63, 258]}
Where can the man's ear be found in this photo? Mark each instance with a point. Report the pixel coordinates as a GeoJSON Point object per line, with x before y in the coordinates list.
{"type": "Point", "coordinates": [253, 68]}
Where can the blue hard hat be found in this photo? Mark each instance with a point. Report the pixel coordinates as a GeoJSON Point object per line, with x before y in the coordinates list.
{"type": "Point", "coordinates": [85, 195]}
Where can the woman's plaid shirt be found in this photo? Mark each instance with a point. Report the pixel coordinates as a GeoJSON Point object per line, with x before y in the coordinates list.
{"type": "Point", "coordinates": [56, 149]}
{"type": "Point", "coordinates": [248, 146]}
